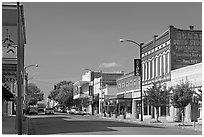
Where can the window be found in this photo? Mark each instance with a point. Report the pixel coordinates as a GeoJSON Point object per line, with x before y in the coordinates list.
{"type": "Point", "coordinates": [153, 68]}
{"type": "Point", "coordinates": [130, 82]}
{"type": "Point", "coordinates": [156, 67]}
{"type": "Point", "coordinates": [146, 68]}
{"type": "Point", "coordinates": [168, 62]}
{"type": "Point", "coordinates": [127, 84]}
{"type": "Point", "coordinates": [143, 71]}
{"type": "Point", "coordinates": [164, 63]}
{"type": "Point", "coordinates": [149, 68]}
{"type": "Point", "coordinates": [123, 85]}
{"type": "Point", "coordinates": [163, 111]}
{"type": "Point", "coordinates": [161, 65]}
{"type": "Point", "coordinates": [134, 82]}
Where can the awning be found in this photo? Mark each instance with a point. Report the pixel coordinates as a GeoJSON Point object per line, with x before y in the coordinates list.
{"type": "Point", "coordinates": [6, 94]}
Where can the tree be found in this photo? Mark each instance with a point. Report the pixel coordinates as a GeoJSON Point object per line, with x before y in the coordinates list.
{"type": "Point", "coordinates": [65, 96]}
{"type": "Point", "coordinates": [182, 96]}
{"type": "Point", "coordinates": [53, 94]}
{"type": "Point", "coordinates": [63, 93]}
{"type": "Point", "coordinates": [157, 96]}
{"type": "Point", "coordinates": [35, 94]}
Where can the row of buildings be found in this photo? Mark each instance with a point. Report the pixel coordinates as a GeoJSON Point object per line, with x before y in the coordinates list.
{"type": "Point", "coordinates": [172, 57]}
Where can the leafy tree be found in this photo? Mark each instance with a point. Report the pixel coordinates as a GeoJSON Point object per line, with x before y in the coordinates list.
{"type": "Point", "coordinates": [65, 96]}
{"type": "Point", "coordinates": [182, 96]}
{"type": "Point", "coordinates": [157, 96]}
{"type": "Point", "coordinates": [53, 94]}
{"type": "Point", "coordinates": [35, 94]}
{"type": "Point", "coordinates": [63, 93]}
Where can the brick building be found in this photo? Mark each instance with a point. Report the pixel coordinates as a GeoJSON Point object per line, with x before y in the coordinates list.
{"type": "Point", "coordinates": [174, 49]}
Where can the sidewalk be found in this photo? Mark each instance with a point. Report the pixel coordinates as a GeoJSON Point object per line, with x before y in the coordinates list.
{"type": "Point", "coordinates": [187, 126]}
{"type": "Point", "coordinates": [9, 125]}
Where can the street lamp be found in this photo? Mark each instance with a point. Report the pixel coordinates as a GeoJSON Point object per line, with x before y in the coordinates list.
{"type": "Point", "coordinates": [26, 81]}
{"type": "Point", "coordinates": [140, 46]}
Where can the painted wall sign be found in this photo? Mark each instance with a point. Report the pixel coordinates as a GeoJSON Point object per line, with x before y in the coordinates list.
{"type": "Point", "coordinates": [186, 48]}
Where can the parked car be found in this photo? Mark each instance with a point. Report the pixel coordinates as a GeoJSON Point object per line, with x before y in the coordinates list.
{"type": "Point", "coordinates": [63, 110]}
{"type": "Point", "coordinates": [81, 112]}
{"type": "Point", "coordinates": [72, 111]}
{"type": "Point", "coordinates": [41, 110]}
{"type": "Point", "coordinates": [49, 111]}
{"type": "Point", "coordinates": [68, 111]}
{"type": "Point", "coordinates": [32, 110]}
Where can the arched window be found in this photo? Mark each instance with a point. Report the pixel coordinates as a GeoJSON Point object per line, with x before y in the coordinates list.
{"type": "Point", "coordinates": [143, 71]}
{"type": "Point", "coordinates": [160, 65]}
{"type": "Point", "coordinates": [153, 68]}
{"type": "Point", "coordinates": [146, 70]}
{"type": "Point", "coordinates": [149, 68]}
{"type": "Point", "coordinates": [156, 65]}
{"type": "Point", "coordinates": [168, 62]}
{"type": "Point", "coordinates": [164, 63]}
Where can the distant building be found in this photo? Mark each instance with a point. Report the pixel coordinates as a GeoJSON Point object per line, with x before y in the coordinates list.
{"type": "Point", "coordinates": [82, 96]}
{"type": "Point", "coordinates": [89, 88]}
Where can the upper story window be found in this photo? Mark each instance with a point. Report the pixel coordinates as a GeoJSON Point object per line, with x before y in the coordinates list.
{"type": "Point", "coordinates": [134, 81]}
{"type": "Point", "coordinates": [130, 82]}
{"type": "Point", "coordinates": [119, 85]}
{"type": "Point", "coordinates": [123, 85]}
{"type": "Point", "coordinates": [127, 84]}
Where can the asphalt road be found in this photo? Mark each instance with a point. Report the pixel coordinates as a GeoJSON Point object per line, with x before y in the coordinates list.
{"type": "Point", "coordinates": [91, 125]}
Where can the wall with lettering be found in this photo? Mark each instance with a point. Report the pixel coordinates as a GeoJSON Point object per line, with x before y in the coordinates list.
{"type": "Point", "coordinates": [186, 48]}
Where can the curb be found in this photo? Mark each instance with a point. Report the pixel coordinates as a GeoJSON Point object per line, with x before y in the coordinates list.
{"type": "Point", "coordinates": [173, 125]}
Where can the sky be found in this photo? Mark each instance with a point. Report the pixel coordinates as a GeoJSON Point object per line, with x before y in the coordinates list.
{"type": "Point", "coordinates": [64, 37]}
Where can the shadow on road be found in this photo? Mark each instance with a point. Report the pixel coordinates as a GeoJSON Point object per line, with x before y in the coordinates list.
{"type": "Point", "coordinates": [59, 126]}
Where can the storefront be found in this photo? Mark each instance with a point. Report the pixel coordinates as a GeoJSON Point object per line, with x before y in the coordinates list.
{"type": "Point", "coordinates": [7, 98]}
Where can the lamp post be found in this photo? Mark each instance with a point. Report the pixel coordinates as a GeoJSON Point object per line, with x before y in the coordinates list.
{"type": "Point", "coordinates": [26, 81]}
{"type": "Point", "coordinates": [140, 46]}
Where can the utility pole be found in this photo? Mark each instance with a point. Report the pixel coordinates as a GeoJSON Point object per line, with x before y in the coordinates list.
{"type": "Point", "coordinates": [19, 74]}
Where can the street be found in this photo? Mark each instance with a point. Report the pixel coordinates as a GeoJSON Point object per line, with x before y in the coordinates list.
{"type": "Point", "coordinates": [92, 125]}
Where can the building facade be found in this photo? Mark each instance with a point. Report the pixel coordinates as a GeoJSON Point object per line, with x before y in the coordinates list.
{"type": "Point", "coordinates": [89, 89]}
{"type": "Point", "coordinates": [9, 53]}
{"type": "Point", "coordinates": [128, 96]}
{"type": "Point", "coordinates": [81, 94]}
{"type": "Point", "coordinates": [193, 74]}
{"type": "Point", "coordinates": [174, 49]}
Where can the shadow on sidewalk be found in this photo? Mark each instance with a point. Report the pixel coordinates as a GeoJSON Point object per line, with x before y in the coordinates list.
{"type": "Point", "coordinates": [9, 125]}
